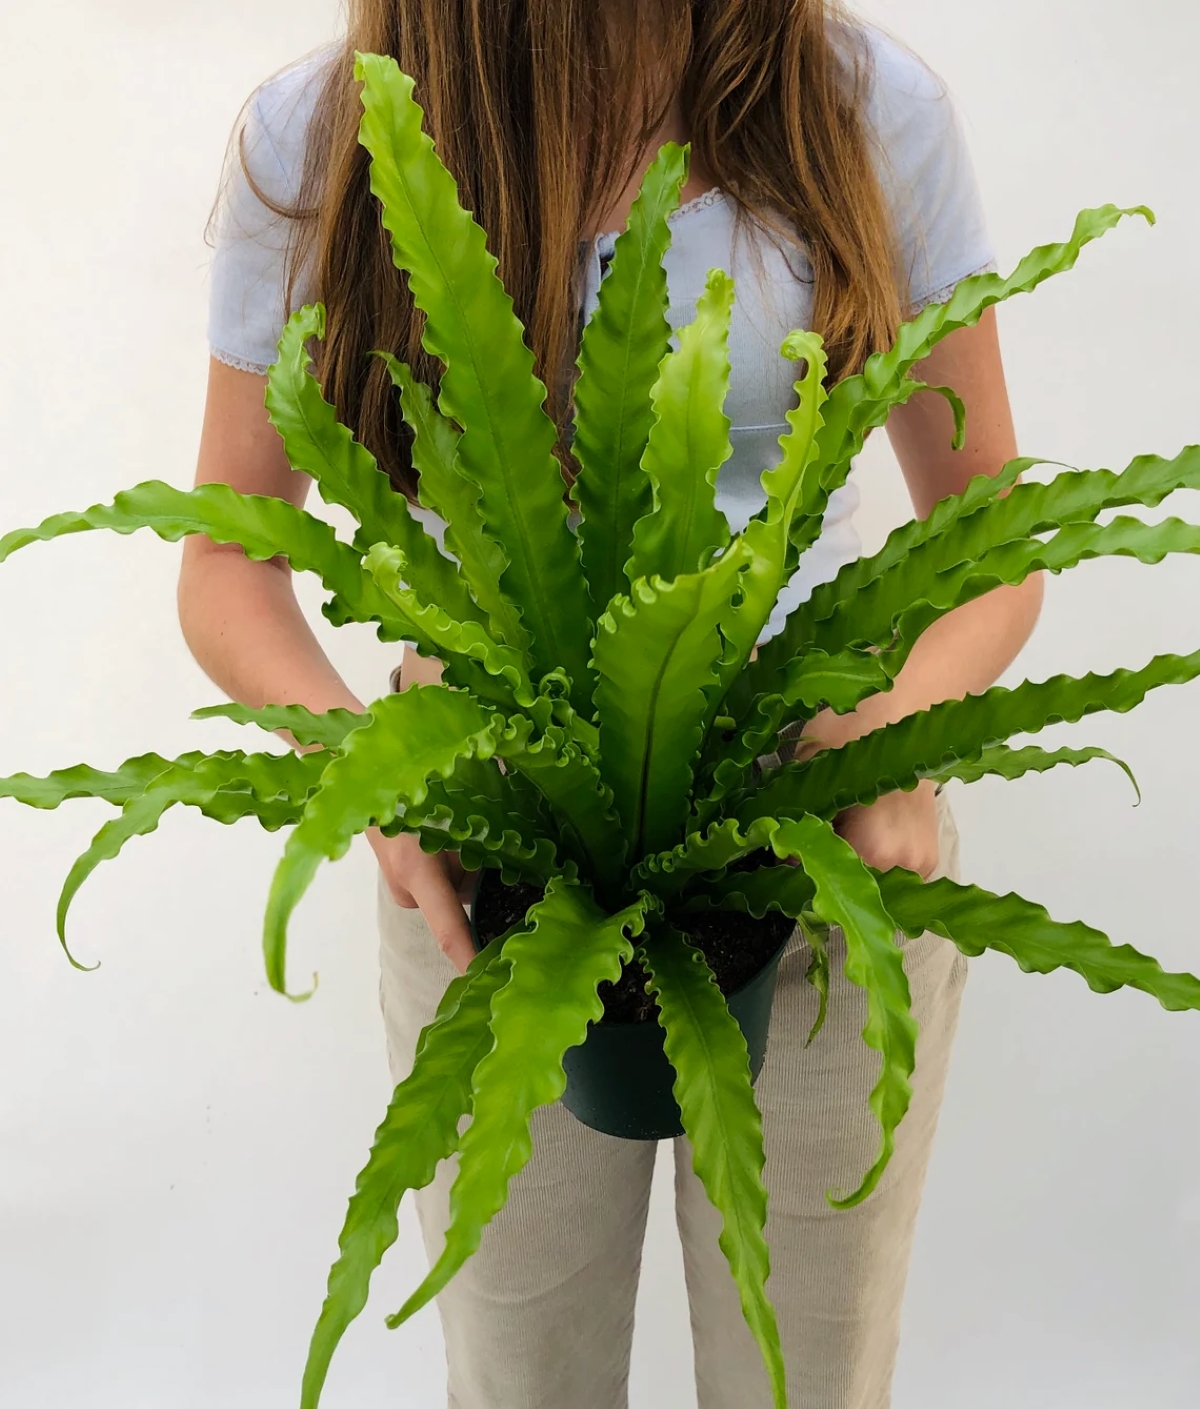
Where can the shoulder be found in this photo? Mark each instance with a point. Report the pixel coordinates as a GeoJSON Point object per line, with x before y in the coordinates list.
{"type": "Point", "coordinates": [276, 122]}
{"type": "Point", "coordinates": [908, 106]}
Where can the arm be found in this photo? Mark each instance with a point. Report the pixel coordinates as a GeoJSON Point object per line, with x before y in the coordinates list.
{"type": "Point", "coordinates": [245, 628]}
{"type": "Point", "coordinates": [967, 650]}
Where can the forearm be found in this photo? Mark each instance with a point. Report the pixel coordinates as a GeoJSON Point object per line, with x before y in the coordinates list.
{"type": "Point", "coordinates": [962, 654]}
{"type": "Point", "coordinates": [247, 633]}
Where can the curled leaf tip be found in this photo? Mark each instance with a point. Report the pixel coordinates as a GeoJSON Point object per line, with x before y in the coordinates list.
{"type": "Point", "coordinates": [302, 997]}
{"type": "Point", "coordinates": [61, 926]}
{"type": "Point", "coordinates": [801, 344]}
{"type": "Point", "coordinates": [75, 964]}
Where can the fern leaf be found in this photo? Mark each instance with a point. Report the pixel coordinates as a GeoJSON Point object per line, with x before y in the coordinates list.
{"type": "Point", "coordinates": [623, 345]}
{"type": "Point", "coordinates": [555, 966]}
{"type": "Point", "coordinates": [577, 795]}
{"type": "Point", "coordinates": [713, 1088]}
{"type": "Point", "coordinates": [443, 488]}
{"type": "Point", "coordinates": [489, 387]}
{"type": "Point", "coordinates": [846, 894]}
{"type": "Point", "coordinates": [687, 445]}
{"type": "Point", "coordinates": [1003, 762]}
{"type": "Point", "coordinates": [329, 730]}
{"type": "Point", "coordinates": [419, 1130]}
{"type": "Point", "coordinates": [502, 681]}
{"type": "Point", "coordinates": [412, 737]}
{"type": "Point", "coordinates": [976, 921]}
{"type": "Point", "coordinates": [346, 473]}
{"type": "Point", "coordinates": [900, 755]}
{"type": "Point", "coordinates": [224, 786]}
{"type": "Point", "coordinates": [859, 404]}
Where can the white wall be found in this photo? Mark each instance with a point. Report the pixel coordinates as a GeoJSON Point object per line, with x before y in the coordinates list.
{"type": "Point", "coordinates": [176, 1143]}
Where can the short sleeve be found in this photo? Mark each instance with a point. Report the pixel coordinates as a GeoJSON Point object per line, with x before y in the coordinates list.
{"type": "Point", "coordinates": [247, 309]}
{"type": "Point", "coordinates": [927, 174]}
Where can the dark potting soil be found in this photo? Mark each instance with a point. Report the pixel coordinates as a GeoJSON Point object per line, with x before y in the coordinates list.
{"type": "Point", "coordinates": [735, 944]}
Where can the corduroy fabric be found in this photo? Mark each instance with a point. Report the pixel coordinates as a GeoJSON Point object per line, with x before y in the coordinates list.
{"type": "Point", "coordinates": [542, 1316]}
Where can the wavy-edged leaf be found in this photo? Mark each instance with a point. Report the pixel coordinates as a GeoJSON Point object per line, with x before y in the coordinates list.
{"type": "Point", "coordinates": [329, 730]}
{"type": "Point", "coordinates": [848, 895]}
{"type": "Point", "coordinates": [119, 786]}
{"type": "Point", "coordinates": [786, 889]}
{"type": "Point", "coordinates": [224, 786]}
{"type": "Point", "coordinates": [577, 795]}
{"type": "Point", "coordinates": [765, 674]}
{"type": "Point", "coordinates": [976, 921]}
{"type": "Point", "coordinates": [657, 655]}
{"type": "Point", "coordinates": [346, 473]}
{"type": "Point", "coordinates": [999, 541]}
{"type": "Point", "coordinates": [713, 1087]}
{"type": "Point", "coordinates": [555, 688]}
{"type": "Point", "coordinates": [859, 404]}
{"type": "Point", "coordinates": [485, 833]}
{"type": "Point", "coordinates": [719, 846]}
{"type": "Point", "coordinates": [1004, 762]}
{"type": "Point", "coordinates": [467, 640]}
{"type": "Point", "coordinates": [687, 445]}
{"type": "Point", "coordinates": [412, 737]}
{"type": "Point", "coordinates": [868, 594]}
{"type": "Point", "coordinates": [900, 755]}
{"type": "Point", "coordinates": [264, 528]}
{"type": "Point", "coordinates": [816, 679]}
{"type": "Point", "coordinates": [788, 486]}
{"type": "Point", "coordinates": [490, 818]}
{"type": "Point", "coordinates": [623, 345]}
{"type": "Point", "coordinates": [489, 387]}
{"type": "Point", "coordinates": [419, 1130]}
{"type": "Point", "coordinates": [1014, 562]}
{"type": "Point", "coordinates": [696, 632]}
{"type": "Point", "coordinates": [443, 488]}
{"type": "Point", "coordinates": [916, 600]}
{"type": "Point", "coordinates": [555, 966]}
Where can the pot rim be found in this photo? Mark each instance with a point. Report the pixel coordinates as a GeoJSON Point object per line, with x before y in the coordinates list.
{"type": "Point", "coordinates": [772, 959]}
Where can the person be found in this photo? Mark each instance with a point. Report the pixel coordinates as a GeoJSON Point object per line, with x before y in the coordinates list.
{"type": "Point", "coordinates": [829, 174]}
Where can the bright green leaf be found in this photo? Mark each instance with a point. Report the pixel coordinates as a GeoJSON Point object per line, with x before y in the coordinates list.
{"type": "Point", "coordinates": [713, 1088]}
{"type": "Point", "coordinates": [976, 921]}
{"type": "Point", "coordinates": [848, 895]}
{"type": "Point", "coordinates": [418, 1132]}
{"type": "Point", "coordinates": [443, 488]}
{"type": "Point", "coordinates": [623, 345]}
{"type": "Point", "coordinates": [412, 737]}
{"type": "Point", "coordinates": [489, 387]}
{"type": "Point", "coordinates": [555, 966]}
{"type": "Point", "coordinates": [688, 443]}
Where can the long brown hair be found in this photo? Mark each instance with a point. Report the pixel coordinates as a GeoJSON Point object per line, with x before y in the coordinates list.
{"type": "Point", "coordinates": [542, 110]}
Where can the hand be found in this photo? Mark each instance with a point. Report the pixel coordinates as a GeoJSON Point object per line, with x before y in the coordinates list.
{"type": "Point", "coordinates": [901, 829]}
{"type": "Point", "coordinates": [438, 886]}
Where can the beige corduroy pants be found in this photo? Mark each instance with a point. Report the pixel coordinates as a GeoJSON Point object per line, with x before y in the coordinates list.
{"type": "Point", "coordinates": [542, 1316]}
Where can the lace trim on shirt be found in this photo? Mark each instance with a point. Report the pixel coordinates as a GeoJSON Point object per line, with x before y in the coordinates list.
{"type": "Point", "coordinates": [701, 202]}
{"type": "Point", "coordinates": [239, 364]}
{"type": "Point", "coordinates": [942, 294]}
{"type": "Point", "coordinates": [710, 197]}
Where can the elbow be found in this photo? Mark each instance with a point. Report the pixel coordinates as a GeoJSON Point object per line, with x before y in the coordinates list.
{"type": "Point", "coordinates": [213, 577]}
{"type": "Point", "coordinates": [1034, 588]}
{"type": "Point", "coordinates": [194, 595]}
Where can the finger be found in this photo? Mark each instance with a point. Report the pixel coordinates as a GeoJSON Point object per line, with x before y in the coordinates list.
{"type": "Point", "coordinates": [446, 918]}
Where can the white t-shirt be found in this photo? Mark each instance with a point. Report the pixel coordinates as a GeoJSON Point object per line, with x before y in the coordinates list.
{"type": "Point", "coordinates": [927, 176]}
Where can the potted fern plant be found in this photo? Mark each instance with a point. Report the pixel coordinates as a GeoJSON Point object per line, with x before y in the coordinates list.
{"type": "Point", "coordinates": [596, 733]}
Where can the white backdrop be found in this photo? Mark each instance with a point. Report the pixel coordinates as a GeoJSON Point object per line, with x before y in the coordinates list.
{"type": "Point", "coordinates": [177, 1143]}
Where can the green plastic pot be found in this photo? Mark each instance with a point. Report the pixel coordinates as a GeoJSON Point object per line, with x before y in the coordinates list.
{"type": "Point", "coordinates": [619, 1080]}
